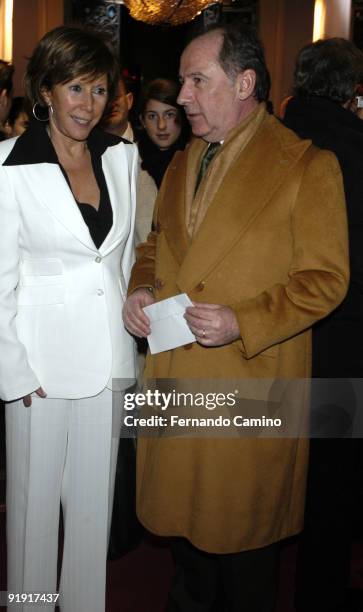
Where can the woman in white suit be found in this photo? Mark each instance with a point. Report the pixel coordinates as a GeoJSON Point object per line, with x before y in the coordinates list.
{"type": "Point", "coordinates": [67, 202]}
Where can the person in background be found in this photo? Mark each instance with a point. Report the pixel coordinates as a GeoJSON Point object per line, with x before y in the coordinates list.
{"type": "Point", "coordinates": [356, 103]}
{"type": "Point", "coordinates": [239, 228]}
{"type": "Point", "coordinates": [283, 106]}
{"type": "Point", "coordinates": [67, 206]}
{"type": "Point", "coordinates": [6, 89]}
{"type": "Point", "coordinates": [165, 128]}
{"type": "Point", "coordinates": [116, 122]}
{"type": "Point", "coordinates": [326, 77]}
{"type": "Point", "coordinates": [18, 118]}
{"type": "Point", "coordinates": [125, 533]}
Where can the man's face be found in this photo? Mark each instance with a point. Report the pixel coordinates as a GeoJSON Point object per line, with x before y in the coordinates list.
{"type": "Point", "coordinates": [210, 98]}
{"type": "Point", "coordinates": [117, 116]}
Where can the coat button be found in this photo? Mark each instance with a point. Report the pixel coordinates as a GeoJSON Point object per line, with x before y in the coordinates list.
{"type": "Point", "coordinates": [98, 259]}
{"type": "Point", "coordinates": [187, 347]}
{"type": "Point", "coordinates": [200, 286]}
{"type": "Point", "coordinates": [100, 292]}
{"type": "Point", "coordinates": [159, 284]}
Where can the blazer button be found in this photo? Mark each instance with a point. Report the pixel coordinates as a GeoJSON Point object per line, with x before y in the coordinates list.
{"type": "Point", "coordinates": [200, 286]}
{"type": "Point", "coordinates": [98, 259]}
{"type": "Point", "coordinates": [187, 347]}
{"type": "Point", "coordinates": [159, 284]}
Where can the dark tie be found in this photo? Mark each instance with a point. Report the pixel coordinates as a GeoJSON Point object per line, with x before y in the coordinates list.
{"type": "Point", "coordinates": [206, 159]}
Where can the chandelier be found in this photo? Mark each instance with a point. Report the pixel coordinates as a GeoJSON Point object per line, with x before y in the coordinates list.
{"type": "Point", "coordinates": [170, 12]}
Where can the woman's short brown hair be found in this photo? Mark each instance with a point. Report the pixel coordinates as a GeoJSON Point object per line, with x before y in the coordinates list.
{"type": "Point", "coordinates": [66, 53]}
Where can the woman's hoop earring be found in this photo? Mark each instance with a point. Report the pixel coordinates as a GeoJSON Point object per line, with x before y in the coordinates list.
{"type": "Point", "coordinates": [35, 115]}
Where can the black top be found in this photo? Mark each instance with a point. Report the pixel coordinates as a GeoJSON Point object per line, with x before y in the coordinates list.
{"type": "Point", "coordinates": [337, 339]}
{"type": "Point", "coordinates": [99, 222]}
{"type": "Point", "coordinates": [35, 147]}
{"type": "Point", "coordinates": [154, 160]}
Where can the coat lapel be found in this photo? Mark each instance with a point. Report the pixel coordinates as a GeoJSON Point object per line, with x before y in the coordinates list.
{"type": "Point", "coordinates": [176, 191]}
{"type": "Point", "coordinates": [116, 171]}
{"type": "Point", "coordinates": [246, 189]}
{"type": "Point", "coordinates": [51, 189]}
{"type": "Point", "coordinates": [33, 151]}
{"type": "Point", "coordinates": [48, 184]}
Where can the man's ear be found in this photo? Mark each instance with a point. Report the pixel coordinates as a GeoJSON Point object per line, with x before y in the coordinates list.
{"type": "Point", "coordinates": [7, 129]}
{"type": "Point", "coordinates": [130, 100]}
{"type": "Point", "coordinates": [3, 97]}
{"type": "Point", "coordinates": [246, 83]}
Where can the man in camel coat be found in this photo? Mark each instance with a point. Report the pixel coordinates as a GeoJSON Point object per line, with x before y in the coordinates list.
{"type": "Point", "coordinates": [259, 244]}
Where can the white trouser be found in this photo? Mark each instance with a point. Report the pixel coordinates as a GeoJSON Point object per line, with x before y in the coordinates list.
{"type": "Point", "coordinates": [61, 450]}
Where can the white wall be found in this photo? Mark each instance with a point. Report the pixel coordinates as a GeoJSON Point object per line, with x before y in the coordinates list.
{"type": "Point", "coordinates": [284, 27]}
{"type": "Point", "coordinates": [338, 18]}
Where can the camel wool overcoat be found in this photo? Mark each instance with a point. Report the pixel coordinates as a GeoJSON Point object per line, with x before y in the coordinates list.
{"type": "Point", "coordinates": [273, 246]}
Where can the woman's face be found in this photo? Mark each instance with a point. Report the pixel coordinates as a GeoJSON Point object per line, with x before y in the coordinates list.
{"type": "Point", "coordinates": [162, 123]}
{"type": "Point", "coordinates": [76, 106]}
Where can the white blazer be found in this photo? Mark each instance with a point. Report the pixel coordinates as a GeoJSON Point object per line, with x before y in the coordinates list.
{"type": "Point", "coordinates": [60, 297]}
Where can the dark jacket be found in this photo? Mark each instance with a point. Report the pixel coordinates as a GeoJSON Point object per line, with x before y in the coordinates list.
{"type": "Point", "coordinates": [337, 340]}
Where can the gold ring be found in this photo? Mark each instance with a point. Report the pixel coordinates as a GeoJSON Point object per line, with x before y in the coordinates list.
{"type": "Point", "coordinates": [203, 333]}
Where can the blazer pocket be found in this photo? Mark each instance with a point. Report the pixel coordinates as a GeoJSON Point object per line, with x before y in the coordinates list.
{"type": "Point", "coordinates": [272, 351]}
{"type": "Point", "coordinates": [41, 267]}
{"type": "Point", "coordinates": [40, 295]}
{"type": "Point", "coordinates": [41, 274]}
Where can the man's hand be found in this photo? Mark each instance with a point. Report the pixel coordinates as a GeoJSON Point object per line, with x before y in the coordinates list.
{"type": "Point", "coordinates": [27, 399]}
{"type": "Point", "coordinates": [135, 320]}
{"type": "Point", "coordinates": [212, 324]}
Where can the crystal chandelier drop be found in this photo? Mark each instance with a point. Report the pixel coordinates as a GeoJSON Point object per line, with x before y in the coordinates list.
{"type": "Point", "coordinates": [170, 12]}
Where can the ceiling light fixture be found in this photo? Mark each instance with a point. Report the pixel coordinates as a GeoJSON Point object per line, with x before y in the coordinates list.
{"type": "Point", "coordinates": [168, 12]}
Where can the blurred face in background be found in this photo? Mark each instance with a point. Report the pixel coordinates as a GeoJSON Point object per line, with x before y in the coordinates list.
{"type": "Point", "coordinates": [355, 105]}
{"type": "Point", "coordinates": [162, 123]}
{"type": "Point", "coordinates": [18, 127]}
{"type": "Point", "coordinates": [117, 117]}
{"type": "Point", "coordinates": [20, 123]}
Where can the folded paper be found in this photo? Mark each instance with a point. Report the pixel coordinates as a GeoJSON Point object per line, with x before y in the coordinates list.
{"type": "Point", "coordinates": [169, 329]}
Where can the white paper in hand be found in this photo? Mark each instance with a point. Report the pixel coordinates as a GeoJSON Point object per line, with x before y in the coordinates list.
{"type": "Point", "coordinates": [169, 329]}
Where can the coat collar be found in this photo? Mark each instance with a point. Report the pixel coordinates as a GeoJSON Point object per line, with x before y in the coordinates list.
{"type": "Point", "coordinates": [302, 113]}
{"type": "Point", "coordinates": [34, 152]}
{"type": "Point", "coordinates": [248, 186]}
{"type": "Point", "coordinates": [35, 147]}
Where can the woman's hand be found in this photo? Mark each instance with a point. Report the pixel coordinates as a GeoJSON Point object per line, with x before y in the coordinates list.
{"type": "Point", "coordinates": [135, 320]}
{"type": "Point", "coordinates": [27, 399]}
